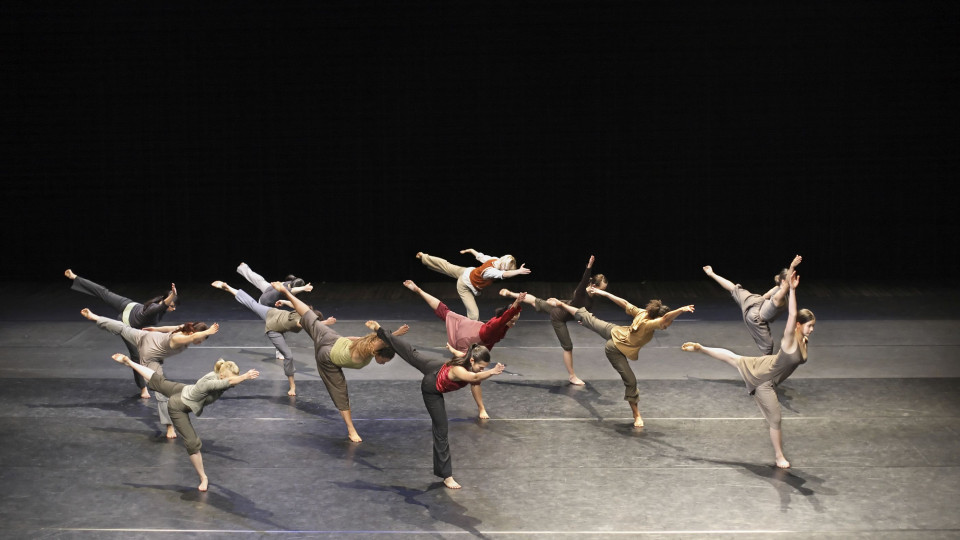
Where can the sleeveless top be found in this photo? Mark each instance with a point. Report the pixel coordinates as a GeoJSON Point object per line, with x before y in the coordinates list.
{"type": "Point", "coordinates": [774, 368]}
{"type": "Point", "coordinates": [445, 383]}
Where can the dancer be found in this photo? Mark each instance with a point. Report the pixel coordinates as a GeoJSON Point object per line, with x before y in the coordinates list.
{"type": "Point", "coordinates": [187, 398]}
{"type": "Point", "coordinates": [269, 296]}
{"type": "Point", "coordinates": [463, 332]}
{"type": "Point", "coordinates": [154, 345]}
{"type": "Point", "coordinates": [763, 374]}
{"type": "Point", "coordinates": [333, 353]}
{"type": "Point", "coordinates": [582, 297]}
{"type": "Point", "coordinates": [759, 311]}
{"type": "Point", "coordinates": [440, 377]}
{"type": "Point", "coordinates": [277, 322]}
{"type": "Point", "coordinates": [624, 342]}
{"type": "Point", "coordinates": [470, 281]}
{"type": "Point", "coordinates": [132, 313]}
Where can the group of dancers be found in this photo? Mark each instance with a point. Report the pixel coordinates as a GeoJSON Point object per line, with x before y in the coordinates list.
{"type": "Point", "coordinates": [469, 342]}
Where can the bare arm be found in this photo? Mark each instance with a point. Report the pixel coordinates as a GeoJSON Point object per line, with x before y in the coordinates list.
{"type": "Point", "coordinates": [519, 271]}
{"type": "Point", "coordinates": [789, 341]}
{"type": "Point", "coordinates": [477, 392]}
{"type": "Point", "coordinates": [471, 251]}
{"type": "Point", "coordinates": [667, 319]}
{"type": "Point", "coordinates": [306, 288]}
{"type": "Point", "coordinates": [460, 373]}
{"type": "Point", "coordinates": [237, 379]}
{"type": "Point", "coordinates": [183, 339]}
{"type": "Point", "coordinates": [610, 296]}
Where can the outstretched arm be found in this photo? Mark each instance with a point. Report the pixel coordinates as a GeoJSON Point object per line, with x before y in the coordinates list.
{"type": "Point", "coordinates": [237, 379]}
{"type": "Point", "coordinates": [460, 373]}
{"type": "Point", "coordinates": [620, 302]}
{"type": "Point", "coordinates": [306, 288]}
{"type": "Point", "coordinates": [519, 271]}
{"type": "Point", "coordinates": [182, 339]}
{"type": "Point", "coordinates": [667, 319]}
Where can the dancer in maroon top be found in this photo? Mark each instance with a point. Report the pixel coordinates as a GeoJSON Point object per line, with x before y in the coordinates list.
{"type": "Point", "coordinates": [440, 377]}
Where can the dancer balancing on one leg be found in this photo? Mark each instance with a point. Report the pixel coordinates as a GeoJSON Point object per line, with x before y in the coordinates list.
{"type": "Point", "coordinates": [582, 298]}
{"type": "Point", "coordinates": [462, 333]}
{"type": "Point", "coordinates": [334, 353]}
{"type": "Point", "coordinates": [154, 345]}
{"type": "Point", "coordinates": [763, 374]}
{"type": "Point", "coordinates": [277, 322]}
{"type": "Point", "coordinates": [440, 377]}
{"type": "Point", "coordinates": [624, 342]}
{"type": "Point", "coordinates": [187, 398]}
{"type": "Point", "coordinates": [470, 281]}
{"type": "Point", "coordinates": [132, 313]}
{"type": "Point", "coordinates": [269, 295]}
{"type": "Point", "coordinates": [759, 310]}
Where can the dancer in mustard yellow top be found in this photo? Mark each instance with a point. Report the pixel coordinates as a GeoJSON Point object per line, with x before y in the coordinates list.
{"type": "Point", "coordinates": [624, 342]}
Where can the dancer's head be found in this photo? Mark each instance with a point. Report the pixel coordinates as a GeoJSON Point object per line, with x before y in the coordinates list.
{"type": "Point", "coordinates": [507, 262]}
{"type": "Point", "coordinates": [476, 360]}
{"type": "Point", "coordinates": [371, 345]}
{"type": "Point", "coordinates": [500, 311]}
{"type": "Point", "coordinates": [805, 322]}
{"type": "Point", "coordinates": [598, 282]}
{"type": "Point", "coordinates": [226, 369]}
{"type": "Point", "coordinates": [159, 298]}
{"type": "Point", "coordinates": [191, 328]}
{"type": "Point", "coordinates": [780, 277]}
{"type": "Point", "coordinates": [656, 309]}
{"type": "Point", "coordinates": [294, 281]}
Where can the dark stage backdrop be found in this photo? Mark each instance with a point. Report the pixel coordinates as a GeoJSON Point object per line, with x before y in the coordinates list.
{"type": "Point", "coordinates": [171, 140]}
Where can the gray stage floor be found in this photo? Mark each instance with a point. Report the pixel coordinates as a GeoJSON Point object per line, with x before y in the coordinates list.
{"type": "Point", "coordinates": [872, 427]}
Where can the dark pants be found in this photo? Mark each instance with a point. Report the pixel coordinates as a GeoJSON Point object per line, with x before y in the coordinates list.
{"type": "Point", "coordinates": [118, 303]}
{"type": "Point", "coordinates": [432, 400]}
{"type": "Point", "coordinates": [179, 412]}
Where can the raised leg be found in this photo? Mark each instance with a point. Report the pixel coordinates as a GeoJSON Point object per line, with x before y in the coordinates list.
{"type": "Point", "coordinates": [431, 300]}
{"type": "Point", "coordinates": [724, 282]}
{"type": "Point", "coordinates": [254, 278]}
{"type": "Point", "coordinates": [723, 355]}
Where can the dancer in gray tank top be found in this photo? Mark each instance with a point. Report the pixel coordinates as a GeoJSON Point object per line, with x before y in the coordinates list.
{"type": "Point", "coordinates": [762, 374]}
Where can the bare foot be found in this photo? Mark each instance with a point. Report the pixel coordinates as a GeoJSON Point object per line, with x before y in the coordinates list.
{"type": "Point", "coordinates": [172, 434]}
{"type": "Point", "coordinates": [483, 415]}
{"type": "Point", "coordinates": [691, 346]}
{"type": "Point", "coordinates": [419, 254]}
{"type": "Point", "coordinates": [88, 314]}
{"type": "Point", "coordinates": [638, 422]}
{"type": "Point", "coordinates": [506, 292]}
{"type": "Point", "coordinates": [373, 325]}
{"type": "Point", "coordinates": [144, 393]}
{"type": "Point", "coordinates": [404, 328]}
{"type": "Point", "coordinates": [411, 285]}
{"type": "Point", "coordinates": [783, 463]}
{"type": "Point", "coordinates": [574, 380]}
{"type": "Point", "coordinates": [292, 391]}
{"type": "Point", "coordinates": [354, 437]}
{"type": "Point", "coordinates": [69, 273]}
{"type": "Point", "coordinates": [708, 270]}
{"type": "Point", "coordinates": [120, 359]}
{"type": "Point", "coordinates": [329, 320]}
{"type": "Point", "coordinates": [451, 483]}
{"type": "Point", "coordinates": [203, 483]}
{"type": "Point", "coordinates": [219, 284]}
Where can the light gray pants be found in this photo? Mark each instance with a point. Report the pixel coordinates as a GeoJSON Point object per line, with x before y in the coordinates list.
{"type": "Point", "coordinates": [466, 295]}
{"type": "Point", "coordinates": [275, 337]}
{"type": "Point", "coordinates": [132, 337]}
